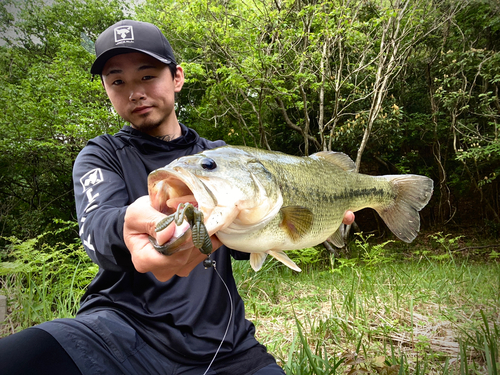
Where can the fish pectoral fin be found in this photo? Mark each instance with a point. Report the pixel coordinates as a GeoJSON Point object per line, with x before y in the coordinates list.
{"type": "Point", "coordinates": [338, 158]}
{"type": "Point", "coordinates": [257, 260]}
{"type": "Point", "coordinates": [283, 258]}
{"type": "Point", "coordinates": [296, 221]}
{"type": "Point", "coordinates": [337, 238]}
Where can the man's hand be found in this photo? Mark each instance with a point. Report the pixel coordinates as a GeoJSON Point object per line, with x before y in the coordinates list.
{"type": "Point", "coordinates": [348, 218]}
{"type": "Point", "coordinates": [140, 223]}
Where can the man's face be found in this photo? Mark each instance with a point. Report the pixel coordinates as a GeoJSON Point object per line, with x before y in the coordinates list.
{"type": "Point", "coordinates": [142, 91]}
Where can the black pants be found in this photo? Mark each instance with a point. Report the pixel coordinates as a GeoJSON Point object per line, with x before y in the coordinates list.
{"type": "Point", "coordinates": [34, 351]}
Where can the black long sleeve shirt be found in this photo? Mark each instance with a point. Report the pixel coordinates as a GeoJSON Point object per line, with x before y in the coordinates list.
{"type": "Point", "coordinates": [183, 318]}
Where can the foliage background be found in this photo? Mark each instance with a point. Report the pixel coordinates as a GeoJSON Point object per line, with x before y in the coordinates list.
{"type": "Point", "coordinates": [402, 87]}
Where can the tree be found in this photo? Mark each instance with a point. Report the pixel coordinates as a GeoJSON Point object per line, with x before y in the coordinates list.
{"type": "Point", "coordinates": [301, 76]}
{"type": "Point", "coordinates": [464, 81]}
{"type": "Point", "coordinates": [50, 108]}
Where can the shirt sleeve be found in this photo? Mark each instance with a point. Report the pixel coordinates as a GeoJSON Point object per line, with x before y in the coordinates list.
{"type": "Point", "coordinates": [101, 199]}
{"type": "Point", "coordinates": [239, 255]}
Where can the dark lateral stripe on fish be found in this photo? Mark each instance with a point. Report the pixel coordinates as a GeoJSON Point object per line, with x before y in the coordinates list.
{"type": "Point", "coordinates": [366, 192]}
{"type": "Point", "coordinates": [347, 194]}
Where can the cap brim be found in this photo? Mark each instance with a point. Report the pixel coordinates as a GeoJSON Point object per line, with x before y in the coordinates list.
{"type": "Point", "coordinates": [101, 60]}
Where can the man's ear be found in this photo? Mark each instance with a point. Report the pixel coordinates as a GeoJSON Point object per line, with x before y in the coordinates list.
{"type": "Point", "coordinates": [178, 78]}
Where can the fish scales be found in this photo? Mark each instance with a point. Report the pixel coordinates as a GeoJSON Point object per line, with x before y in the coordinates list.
{"type": "Point", "coordinates": [265, 202]}
{"type": "Point", "coordinates": [330, 188]}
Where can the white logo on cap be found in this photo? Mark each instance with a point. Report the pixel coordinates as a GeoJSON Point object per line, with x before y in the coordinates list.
{"type": "Point", "coordinates": [124, 34]}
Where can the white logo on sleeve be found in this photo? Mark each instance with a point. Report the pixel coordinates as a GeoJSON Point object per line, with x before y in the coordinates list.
{"type": "Point", "coordinates": [86, 242]}
{"type": "Point", "coordinates": [91, 179]}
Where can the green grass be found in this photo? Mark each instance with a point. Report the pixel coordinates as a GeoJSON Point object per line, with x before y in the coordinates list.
{"type": "Point", "coordinates": [425, 314]}
{"type": "Point", "coordinates": [43, 279]}
{"type": "Point", "coordinates": [386, 308]}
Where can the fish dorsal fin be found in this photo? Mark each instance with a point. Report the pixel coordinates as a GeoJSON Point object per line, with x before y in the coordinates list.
{"type": "Point", "coordinates": [337, 237]}
{"type": "Point", "coordinates": [257, 260]}
{"type": "Point", "coordinates": [283, 258]}
{"type": "Point", "coordinates": [296, 221]}
{"type": "Point", "coordinates": [338, 158]}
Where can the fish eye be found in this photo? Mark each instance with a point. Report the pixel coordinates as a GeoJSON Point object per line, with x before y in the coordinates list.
{"type": "Point", "coordinates": [208, 164]}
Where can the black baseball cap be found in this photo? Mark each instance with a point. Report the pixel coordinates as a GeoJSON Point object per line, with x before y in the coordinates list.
{"type": "Point", "coordinates": [131, 36]}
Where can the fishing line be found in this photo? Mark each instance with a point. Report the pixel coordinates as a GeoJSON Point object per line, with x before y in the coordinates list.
{"type": "Point", "coordinates": [212, 264]}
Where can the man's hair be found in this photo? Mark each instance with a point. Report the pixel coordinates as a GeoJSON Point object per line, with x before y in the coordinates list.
{"type": "Point", "coordinates": [173, 69]}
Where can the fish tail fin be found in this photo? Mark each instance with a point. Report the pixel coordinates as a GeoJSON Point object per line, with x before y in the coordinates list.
{"type": "Point", "coordinates": [413, 192]}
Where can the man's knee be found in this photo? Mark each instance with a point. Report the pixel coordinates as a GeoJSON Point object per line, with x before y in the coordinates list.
{"type": "Point", "coordinates": [273, 369]}
{"type": "Point", "coordinates": [34, 350]}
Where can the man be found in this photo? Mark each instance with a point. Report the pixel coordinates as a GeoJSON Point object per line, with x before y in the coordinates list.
{"type": "Point", "coordinates": [144, 313]}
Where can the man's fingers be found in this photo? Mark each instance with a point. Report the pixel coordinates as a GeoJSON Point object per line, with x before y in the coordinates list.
{"type": "Point", "coordinates": [141, 217]}
{"type": "Point", "coordinates": [141, 220]}
{"type": "Point", "coordinates": [348, 218]}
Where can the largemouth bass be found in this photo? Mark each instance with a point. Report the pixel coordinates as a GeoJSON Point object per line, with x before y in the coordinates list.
{"type": "Point", "coordinates": [265, 202]}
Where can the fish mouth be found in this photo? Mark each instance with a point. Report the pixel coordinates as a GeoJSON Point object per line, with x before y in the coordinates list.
{"type": "Point", "coordinates": [170, 187]}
